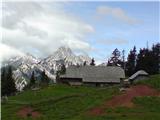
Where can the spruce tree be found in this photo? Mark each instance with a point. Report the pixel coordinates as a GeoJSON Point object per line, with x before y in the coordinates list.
{"type": "Point", "coordinates": [140, 60]}
{"type": "Point", "coordinates": [92, 62]}
{"type": "Point", "coordinates": [84, 64]}
{"type": "Point", "coordinates": [156, 58]}
{"type": "Point", "coordinates": [131, 62]}
{"type": "Point", "coordinates": [115, 58]}
{"type": "Point", "coordinates": [3, 81]}
{"type": "Point", "coordinates": [148, 60]}
{"type": "Point", "coordinates": [123, 60]}
{"type": "Point", "coordinates": [58, 77]}
{"type": "Point", "coordinates": [44, 78]}
{"type": "Point", "coordinates": [32, 80]}
{"type": "Point", "coordinates": [10, 84]}
{"type": "Point", "coordinates": [63, 69]}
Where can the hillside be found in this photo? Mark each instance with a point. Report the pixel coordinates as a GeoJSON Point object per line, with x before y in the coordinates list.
{"type": "Point", "coordinates": [73, 103]}
{"type": "Point", "coordinates": [154, 81]}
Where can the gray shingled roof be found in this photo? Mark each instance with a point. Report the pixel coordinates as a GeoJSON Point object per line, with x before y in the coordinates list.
{"type": "Point", "coordinates": [140, 72]}
{"type": "Point", "coordinates": [95, 73]}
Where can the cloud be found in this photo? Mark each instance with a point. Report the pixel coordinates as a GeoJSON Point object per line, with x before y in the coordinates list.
{"type": "Point", "coordinates": [118, 13]}
{"type": "Point", "coordinates": [7, 52]}
{"type": "Point", "coordinates": [115, 41]}
{"type": "Point", "coordinates": [41, 28]}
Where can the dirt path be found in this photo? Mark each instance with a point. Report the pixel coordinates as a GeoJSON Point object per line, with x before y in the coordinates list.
{"type": "Point", "coordinates": [125, 99]}
{"type": "Point", "coordinates": [28, 112]}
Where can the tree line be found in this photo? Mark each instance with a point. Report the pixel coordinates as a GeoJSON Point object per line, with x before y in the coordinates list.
{"type": "Point", "coordinates": [8, 86]}
{"type": "Point", "coordinates": [145, 59]}
{"type": "Point", "coordinates": [43, 81]}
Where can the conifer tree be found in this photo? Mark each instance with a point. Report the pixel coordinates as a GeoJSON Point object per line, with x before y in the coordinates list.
{"type": "Point", "coordinates": [63, 69]}
{"type": "Point", "coordinates": [3, 81]}
{"type": "Point", "coordinates": [32, 80]}
{"type": "Point", "coordinates": [115, 58]}
{"type": "Point", "coordinates": [148, 60]}
{"type": "Point", "coordinates": [44, 78]}
{"type": "Point", "coordinates": [10, 84]}
{"type": "Point", "coordinates": [92, 62]}
{"type": "Point", "coordinates": [131, 62]}
{"type": "Point", "coordinates": [58, 77]}
{"type": "Point", "coordinates": [123, 60]}
{"type": "Point", "coordinates": [156, 58]}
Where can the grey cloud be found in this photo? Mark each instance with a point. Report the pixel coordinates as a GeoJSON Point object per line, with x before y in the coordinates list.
{"type": "Point", "coordinates": [117, 13]}
{"type": "Point", "coordinates": [7, 52]}
{"type": "Point", "coordinates": [14, 12]}
{"type": "Point", "coordinates": [31, 27]}
{"type": "Point", "coordinates": [31, 31]}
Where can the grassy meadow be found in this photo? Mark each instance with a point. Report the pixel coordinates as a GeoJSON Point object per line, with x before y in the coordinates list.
{"type": "Point", "coordinates": [62, 102]}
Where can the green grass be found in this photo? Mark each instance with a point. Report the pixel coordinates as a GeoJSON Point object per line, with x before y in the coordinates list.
{"type": "Point", "coordinates": [57, 102]}
{"type": "Point", "coordinates": [146, 108]}
{"type": "Point", "coordinates": [61, 102]}
{"type": "Point", "coordinates": [153, 81]}
{"type": "Point", "coordinates": [149, 103]}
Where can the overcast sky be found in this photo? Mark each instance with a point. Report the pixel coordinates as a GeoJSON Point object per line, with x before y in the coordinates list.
{"type": "Point", "coordinates": [95, 28]}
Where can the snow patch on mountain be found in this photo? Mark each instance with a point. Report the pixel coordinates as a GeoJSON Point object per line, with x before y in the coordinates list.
{"type": "Point", "coordinates": [24, 65]}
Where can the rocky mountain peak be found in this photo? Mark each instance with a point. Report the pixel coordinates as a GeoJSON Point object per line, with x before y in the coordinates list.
{"type": "Point", "coordinates": [24, 65]}
{"type": "Point", "coordinates": [64, 49]}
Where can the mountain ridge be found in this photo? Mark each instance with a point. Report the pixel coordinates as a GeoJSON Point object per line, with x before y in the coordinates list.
{"type": "Point", "coordinates": [24, 65]}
